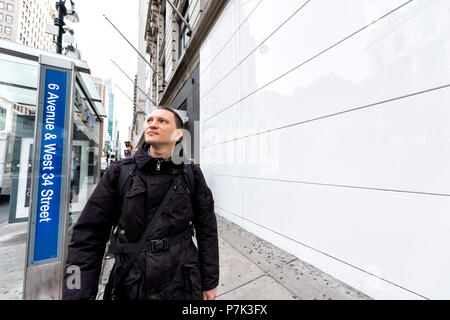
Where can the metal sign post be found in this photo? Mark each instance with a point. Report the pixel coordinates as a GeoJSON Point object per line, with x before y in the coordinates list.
{"type": "Point", "coordinates": [47, 218]}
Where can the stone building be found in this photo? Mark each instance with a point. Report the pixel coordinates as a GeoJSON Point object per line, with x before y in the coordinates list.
{"type": "Point", "coordinates": [23, 21]}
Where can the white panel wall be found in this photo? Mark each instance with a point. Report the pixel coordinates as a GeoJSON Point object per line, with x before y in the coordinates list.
{"type": "Point", "coordinates": [325, 129]}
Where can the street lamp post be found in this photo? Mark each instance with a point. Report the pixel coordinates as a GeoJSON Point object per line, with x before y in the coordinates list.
{"type": "Point", "coordinates": [72, 16]}
{"type": "Point", "coordinates": [59, 22]}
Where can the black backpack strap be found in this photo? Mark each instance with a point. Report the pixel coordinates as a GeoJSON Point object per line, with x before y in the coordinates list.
{"type": "Point", "coordinates": [153, 245]}
{"type": "Point", "coordinates": [190, 178]}
{"type": "Point", "coordinates": [127, 171]}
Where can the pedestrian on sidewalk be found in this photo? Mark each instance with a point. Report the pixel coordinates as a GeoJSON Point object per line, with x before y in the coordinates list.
{"type": "Point", "coordinates": [156, 205]}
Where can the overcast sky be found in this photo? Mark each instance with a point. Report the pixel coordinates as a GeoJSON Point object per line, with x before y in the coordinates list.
{"type": "Point", "coordinates": [99, 42]}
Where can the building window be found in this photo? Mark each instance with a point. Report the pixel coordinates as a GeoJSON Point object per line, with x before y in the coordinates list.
{"type": "Point", "coordinates": [1, 16]}
{"type": "Point", "coordinates": [8, 30]}
{"type": "Point", "coordinates": [183, 38]}
{"type": "Point", "coordinates": [2, 118]}
{"type": "Point", "coordinates": [9, 7]}
{"type": "Point", "coordinates": [8, 19]}
{"type": "Point", "coordinates": [1, 28]}
{"type": "Point", "coordinates": [2, 5]}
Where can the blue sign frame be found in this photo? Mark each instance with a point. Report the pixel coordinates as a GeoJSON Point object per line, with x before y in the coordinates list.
{"type": "Point", "coordinates": [50, 166]}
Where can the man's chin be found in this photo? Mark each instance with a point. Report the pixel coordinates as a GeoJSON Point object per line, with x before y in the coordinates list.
{"type": "Point", "coordinates": [153, 141]}
{"type": "Point", "coordinates": [150, 140]}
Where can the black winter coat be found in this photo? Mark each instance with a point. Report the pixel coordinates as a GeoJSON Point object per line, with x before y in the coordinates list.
{"type": "Point", "coordinates": [183, 271]}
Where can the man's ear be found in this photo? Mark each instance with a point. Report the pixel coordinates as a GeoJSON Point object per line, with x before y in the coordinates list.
{"type": "Point", "coordinates": [179, 134]}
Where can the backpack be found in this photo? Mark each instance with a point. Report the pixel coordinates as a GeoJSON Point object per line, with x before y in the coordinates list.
{"type": "Point", "coordinates": [113, 289]}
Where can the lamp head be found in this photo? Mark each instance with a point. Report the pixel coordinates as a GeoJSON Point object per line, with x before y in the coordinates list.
{"type": "Point", "coordinates": [71, 15]}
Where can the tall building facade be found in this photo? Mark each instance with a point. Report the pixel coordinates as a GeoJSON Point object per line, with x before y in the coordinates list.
{"type": "Point", "coordinates": [322, 128]}
{"type": "Point", "coordinates": [111, 116]}
{"type": "Point", "coordinates": [109, 129]}
{"type": "Point", "coordinates": [173, 50]}
{"type": "Point", "coordinates": [23, 21]}
{"type": "Point", "coordinates": [142, 103]}
{"type": "Point", "coordinates": [101, 88]}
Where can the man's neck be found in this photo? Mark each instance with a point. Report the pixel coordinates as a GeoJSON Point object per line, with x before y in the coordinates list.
{"type": "Point", "coordinates": [160, 152]}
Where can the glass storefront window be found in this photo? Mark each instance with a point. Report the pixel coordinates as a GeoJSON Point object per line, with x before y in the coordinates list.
{"type": "Point", "coordinates": [85, 154]}
{"type": "Point", "coordinates": [18, 95]}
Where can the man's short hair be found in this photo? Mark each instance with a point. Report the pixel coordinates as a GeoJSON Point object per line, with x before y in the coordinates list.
{"type": "Point", "coordinates": [178, 121]}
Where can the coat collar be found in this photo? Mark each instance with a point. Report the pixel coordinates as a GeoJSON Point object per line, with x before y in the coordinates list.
{"type": "Point", "coordinates": [144, 160]}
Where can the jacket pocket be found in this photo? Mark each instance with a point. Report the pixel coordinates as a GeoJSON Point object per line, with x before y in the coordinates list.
{"type": "Point", "coordinates": [134, 192]}
{"type": "Point", "coordinates": [133, 214]}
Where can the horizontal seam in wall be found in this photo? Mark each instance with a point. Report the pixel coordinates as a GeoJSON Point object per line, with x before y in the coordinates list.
{"type": "Point", "coordinates": [305, 62]}
{"type": "Point", "coordinates": [254, 50]}
{"type": "Point", "coordinates": [231, 37]}
{"type": "Point", "coordinates": [332, 185]}
{"type": "Point", "coordinates": [326, 254]}
{"type": "Point", "coordinates": [332, 115]}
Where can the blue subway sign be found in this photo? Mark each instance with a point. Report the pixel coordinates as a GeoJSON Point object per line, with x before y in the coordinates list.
{"type": "Point", "coordinates": [49, 193]}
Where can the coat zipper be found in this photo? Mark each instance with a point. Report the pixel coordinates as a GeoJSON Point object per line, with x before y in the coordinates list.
{"type": "Point", "coordinates": [158, 166]}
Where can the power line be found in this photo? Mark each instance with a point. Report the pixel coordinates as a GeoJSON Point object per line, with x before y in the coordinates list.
{"type": "Point", "coordinates": [134, 83]}
{"type": "Point", "coordinates": [162, 78]}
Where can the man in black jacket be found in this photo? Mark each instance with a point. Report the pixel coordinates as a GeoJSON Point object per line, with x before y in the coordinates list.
{"type": "Point", "coordinates": [179, 271]}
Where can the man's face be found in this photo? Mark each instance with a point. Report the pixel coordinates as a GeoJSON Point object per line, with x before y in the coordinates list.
{"type": "Point", "coordinates": [160, 128]}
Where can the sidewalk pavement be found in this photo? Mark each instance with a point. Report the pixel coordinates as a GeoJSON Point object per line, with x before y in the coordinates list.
{"type": "Point", "coordinates": [13, 238]}
{"type": "Point", "coordinates": [250, 269]}
{"type": "Point", "coordinates": [253, 269]}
